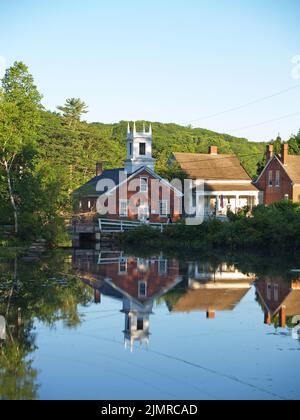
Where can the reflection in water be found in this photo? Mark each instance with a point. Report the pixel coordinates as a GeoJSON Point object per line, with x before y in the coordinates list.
{"type": "Point", "coordinates": [280, 300]}
{"type": "Point", "coordinates": [30, 292]}
{"type": "Point", "coordinates": [211, 289]}
{"type": "Point", "coordinates": [185, 287]}
{"type": "Point", "coordinates": [53, 292]}
{"type": "Point", "coordinates": [137, 282]}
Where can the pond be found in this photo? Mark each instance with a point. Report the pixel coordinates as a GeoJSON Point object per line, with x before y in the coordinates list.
{"type": "Point", "coordinates": [111, 324]}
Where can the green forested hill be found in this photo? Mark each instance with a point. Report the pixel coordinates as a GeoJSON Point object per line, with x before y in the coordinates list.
{"type": "Point", "coordinates": [78, 151]}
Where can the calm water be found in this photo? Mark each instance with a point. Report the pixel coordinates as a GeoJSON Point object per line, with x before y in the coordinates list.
{"type": "Point", "coordinates": [107, 325]}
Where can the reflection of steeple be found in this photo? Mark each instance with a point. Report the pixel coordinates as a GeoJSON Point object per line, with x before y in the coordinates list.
{"type": "Point", "coordinates": [137, 323]}
{"type": "Point", "coordinates": [137, 282]}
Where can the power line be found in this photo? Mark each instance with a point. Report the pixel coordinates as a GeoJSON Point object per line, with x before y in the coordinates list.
{"type": "Point", "coordinates": [266, 122]}
{"type": "Point", "coordinates": [265, 98]}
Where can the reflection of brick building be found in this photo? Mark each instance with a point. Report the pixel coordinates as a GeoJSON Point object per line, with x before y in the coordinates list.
{"type": "Point", "coordinates": [212, 289]}
{"type": "Point", "coordinates": [280, 298]}
{"type": "Point", "coordinates": [280, 179]}
{"type": "Point", "coordinates": [138, 282]}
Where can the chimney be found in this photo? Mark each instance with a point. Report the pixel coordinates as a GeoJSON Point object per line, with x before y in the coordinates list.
{"type": "Point", "coordinates": [99, 168]}
{"type": "Point", "coordinates": [97, 296]}
{"type": "Point", "coordinates": [269, 152]}
{"type": "Point", "coordinates": [213, 150]}
{"type": "Point", "coordinates": [210, 314]}
{"type": "Point", "coordinates": [284, 153]}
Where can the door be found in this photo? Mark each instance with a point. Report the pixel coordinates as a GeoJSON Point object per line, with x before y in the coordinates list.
{"type": "Point", "coordinates": [143, 213]}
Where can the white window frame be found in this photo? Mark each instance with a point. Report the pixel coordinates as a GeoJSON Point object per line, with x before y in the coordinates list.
{"type": "Point", "coordinates": [270, 179]}
{"type": "Point", "coordinates": [143, 295]}
{"type": "Point", "coordinates": [287, 197]}
{"type": "Point", "coordinates": [123, 263]}
{"type": "Point", "coordinates": [125, 212]}
{"type": "Point", "coordinates": [144, 183]}
{"type": "Point", "coordinates": [89, 204]}
{"type": "Point", "coordinates": [162, 267]}
{"type": "Point", "coordinates": [277, 179]}
{"type": "Point", "coordinates": [167, 210]}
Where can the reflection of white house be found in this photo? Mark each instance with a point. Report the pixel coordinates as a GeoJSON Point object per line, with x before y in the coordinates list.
{"type": "Point", "coordinates": [227, 185]}
{"type": "Point", "coordinates": [224, 272]}
{"type": "Point", "coordinates": [213, 289]}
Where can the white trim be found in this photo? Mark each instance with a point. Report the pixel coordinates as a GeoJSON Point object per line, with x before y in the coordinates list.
{"type": "Point", "coordinates": [225, 182]}
{"type": "Point", "coordinates": [121, 202]}
{"type": "Point", "coordinates": [144, 178]}
{"type": "Point", "coordinates": [230, 193]}
{"type": "Point", "coordinates": [143, 282]}
{"type": "Point", "coordinates": [166, 203]}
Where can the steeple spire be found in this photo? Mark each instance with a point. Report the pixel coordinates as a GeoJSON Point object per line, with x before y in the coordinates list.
{"type": "Point", "coordinates": [128, 129]}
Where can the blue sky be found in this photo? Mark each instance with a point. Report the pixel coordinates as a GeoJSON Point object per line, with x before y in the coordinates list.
{"type": "Point", "coordinates": [163, 60]}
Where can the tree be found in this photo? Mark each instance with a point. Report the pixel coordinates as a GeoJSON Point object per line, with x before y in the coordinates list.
{"type": "Point", "coordinates": [20, 105]}
{"type": "Point", "coordinates": [72, 111]}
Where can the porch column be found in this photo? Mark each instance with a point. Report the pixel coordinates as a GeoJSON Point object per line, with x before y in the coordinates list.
{"type": "Point", "coordinates": [237, 203]}
{"type": "Point", "coordinates": [282, 317]}
{"type": "Point", "coordinates": [268, 318]}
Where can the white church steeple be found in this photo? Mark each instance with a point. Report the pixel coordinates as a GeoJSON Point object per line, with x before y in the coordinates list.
{"type": "Point", "coordinates": [139, 149]}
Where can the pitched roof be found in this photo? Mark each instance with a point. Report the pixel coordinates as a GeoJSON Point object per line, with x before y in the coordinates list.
{"type": "Point", "coordinates": [205, 299]}
{"type": "Point", "coordinates": [90, 188]}
{"type": "Point", "coordinates": [117, 176]}
{"type": "Point", "coordinates": [212, 166]}
{"type": "Point", "coordinates": [293, 168]}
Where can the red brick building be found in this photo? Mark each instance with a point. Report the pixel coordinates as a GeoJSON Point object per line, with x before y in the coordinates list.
{"type": "Point", "coordinates": [280, 179]}
{"type": "Point", "coordinates": [134, 192]}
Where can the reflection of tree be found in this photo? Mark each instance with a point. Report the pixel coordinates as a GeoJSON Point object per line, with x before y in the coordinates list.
{"type": "Point", "coordinates": [33, 291]}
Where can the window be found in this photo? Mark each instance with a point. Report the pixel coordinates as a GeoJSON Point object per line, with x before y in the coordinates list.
{"type": "Point", "coordinates": [144, 185]}
{"type": "Point", "coordinates": [142, 289]}
{"type": "Point", "coordinates": [80, 205]}
{"type": "Point", "coordinates": [286, 197]}
{"type": "Point", "coordinates": [276, 292]}
{"type": "Point", "coordinates": [277, 179]}
{"type": "Point", "coordinates": [130, 149]}
{"type": "Point", "coordinates": [140, 324]}
{"type": "Point", "coordinates": [163, 208]}
{"type": "Point", "coordinates": [89, 204]}
{"type": "Point", "coordinates": [123, 208]}
{"type": "Point", "coordinates": [270, 178]}
{"type": "Point", "coordinates": [269, 291]}
{"type": "Point", "coordinates": [123, 266]}
{"type": "Point", "coordinates": [128, 324]}
{"type": "Point", "coordinates": [142, 149]}
{"type": "Point", "coordinates": [162, 267]}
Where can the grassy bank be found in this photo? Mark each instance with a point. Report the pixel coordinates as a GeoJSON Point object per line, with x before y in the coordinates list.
{"type": "Point", "coordinates": [274, 229]}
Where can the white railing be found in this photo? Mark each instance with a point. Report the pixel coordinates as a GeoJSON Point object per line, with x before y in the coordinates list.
{"type": "Point", "coordinates": [114, 226]}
